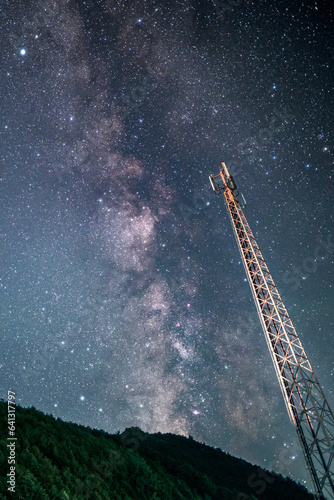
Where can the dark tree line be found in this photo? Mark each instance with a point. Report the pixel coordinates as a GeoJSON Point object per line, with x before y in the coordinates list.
{"type": "Point", "coordinates": [65, 461]}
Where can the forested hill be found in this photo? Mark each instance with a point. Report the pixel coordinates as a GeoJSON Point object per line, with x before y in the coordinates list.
{"type": "Point", "coordinates": [59, 460]}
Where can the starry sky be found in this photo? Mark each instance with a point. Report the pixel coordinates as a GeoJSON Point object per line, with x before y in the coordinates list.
{"type": "Point", "coordinates": [123, 298]}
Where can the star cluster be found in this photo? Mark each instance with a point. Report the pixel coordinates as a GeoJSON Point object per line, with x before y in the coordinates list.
{"type": "Point", "coordinates": [124, 299]}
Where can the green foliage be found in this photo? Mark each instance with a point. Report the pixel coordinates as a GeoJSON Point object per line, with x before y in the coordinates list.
{"type": "Point", "coordinates": [65, 461]}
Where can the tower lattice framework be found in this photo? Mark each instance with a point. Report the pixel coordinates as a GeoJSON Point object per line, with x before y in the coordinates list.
{"type": "Point", "coordinates": [305, 400]}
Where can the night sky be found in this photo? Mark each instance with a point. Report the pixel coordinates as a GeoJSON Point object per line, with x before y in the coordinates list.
{"type": "Point", "coordinates": [123, 298]}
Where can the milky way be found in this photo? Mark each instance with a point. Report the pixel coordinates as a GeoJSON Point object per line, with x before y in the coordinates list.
{"type": "Point", "coordinates": [124, 301]}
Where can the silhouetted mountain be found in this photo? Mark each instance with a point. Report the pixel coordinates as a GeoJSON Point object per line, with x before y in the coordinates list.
{"type": "Point", "coordinates": [65, 461]}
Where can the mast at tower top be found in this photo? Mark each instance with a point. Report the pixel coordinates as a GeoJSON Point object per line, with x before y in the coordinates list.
{"type": "Point", "coordinates": [304, 398]}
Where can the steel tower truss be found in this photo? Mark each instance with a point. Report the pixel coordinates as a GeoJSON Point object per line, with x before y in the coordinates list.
{"type": "Point", "coordinates": [304, 398]}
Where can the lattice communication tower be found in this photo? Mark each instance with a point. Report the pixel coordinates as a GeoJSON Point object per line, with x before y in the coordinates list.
{"type": "Point", "coordinates": [304, 398]}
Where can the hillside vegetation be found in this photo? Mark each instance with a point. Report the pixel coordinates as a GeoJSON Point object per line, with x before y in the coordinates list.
{"type": "Point", "coordinates": [57, 460]}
